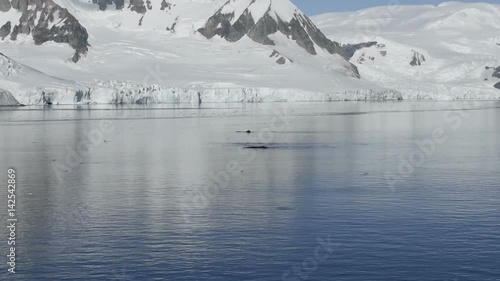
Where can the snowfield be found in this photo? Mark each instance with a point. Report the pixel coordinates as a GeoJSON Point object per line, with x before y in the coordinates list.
{"type": "Point", "coordinates": [160, 56]}
{"type": "Point", "coordinates": [451, 47]}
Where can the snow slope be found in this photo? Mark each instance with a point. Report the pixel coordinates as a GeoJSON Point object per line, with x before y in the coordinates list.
{"type": "Point", "coordinates": [20, 83]}
{"type": "Point", "coordinates": [156, 53]}
{"type": "Point", "coordinates": [426, 52]}
{"type": "Point", "coordinates": [7, 99]}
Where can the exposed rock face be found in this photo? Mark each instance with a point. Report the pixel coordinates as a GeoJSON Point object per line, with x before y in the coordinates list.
{"type": "Point", "coordinates": [103, 4]}
{"type": "Point", "coordinates": [5, 5]}
{"type": "Point", "coordinates": [46, 21]}
{"type": "Point", "coordinates": [5, 30]}
{"type": "Point", "coordinates": [220, 24]}
{"type": "Point", "coordinates": [363, 58]}
{"type": "Point", "coordinates": [172, 27]}
{"type": "Point", "coordinates": [496, 74]}
{"type": "Point", "coordinates": [350, 49]}
{"type": "Point", "coordinates": [418, 59]}
{"type": "Point", "coordinates": [281, 59]}
{"type": "Point", "coordinates": [369, 55]}
{"type": "Point", "coordinates": [300, 29]}
{"type": "Point", "coordinates": [138, 6]}
{"type": "Point", "coordinates": [165, 6]}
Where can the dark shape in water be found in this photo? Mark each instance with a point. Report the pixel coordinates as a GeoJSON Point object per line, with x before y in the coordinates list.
{"type": "Point", "coordinates": [284, 208]}
{"type": "Point", "coordinates": [256, 147]}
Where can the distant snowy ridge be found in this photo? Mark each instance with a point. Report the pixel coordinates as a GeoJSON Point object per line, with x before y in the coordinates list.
{"type": "Point", "coordinates": [259, 19]}
{"type": "Point", "coordinates": [449, 51]}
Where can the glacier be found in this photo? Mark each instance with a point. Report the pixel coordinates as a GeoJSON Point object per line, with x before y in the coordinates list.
{"type": "Point", "coordinates": [157, 53]}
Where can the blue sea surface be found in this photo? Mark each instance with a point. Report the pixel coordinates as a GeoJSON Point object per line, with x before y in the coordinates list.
{"type": "Point", "coordinates": [342, 191]}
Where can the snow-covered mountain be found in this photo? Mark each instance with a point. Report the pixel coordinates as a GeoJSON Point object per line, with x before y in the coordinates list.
{"type": "Point", "coordinates": [450, 51]}
{"type": "Point", "coordinates": [260, 19]}
{"type": "Point", "coordinates": [164, 51]}
{"type": "Point", "coordinates": [140, 51]}
{"type": "Point", "coordinates": [42, 21]}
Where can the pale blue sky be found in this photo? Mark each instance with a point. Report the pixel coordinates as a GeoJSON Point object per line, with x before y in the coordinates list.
{"type": "Point", "coordinates": [314, 7]}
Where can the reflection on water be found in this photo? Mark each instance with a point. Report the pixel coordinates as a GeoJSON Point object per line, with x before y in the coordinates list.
{"type": "Point", "coordinates": [168, 193]}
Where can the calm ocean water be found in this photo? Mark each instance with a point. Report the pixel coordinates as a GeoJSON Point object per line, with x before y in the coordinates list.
{"type": "Point", "coordinates": [344, 191]}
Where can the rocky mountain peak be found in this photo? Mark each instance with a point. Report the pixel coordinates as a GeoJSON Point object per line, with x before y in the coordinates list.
{"type": "Point", "coordinates": [44, 20]}
{"type": "Point", "coordinates": [258, 19]}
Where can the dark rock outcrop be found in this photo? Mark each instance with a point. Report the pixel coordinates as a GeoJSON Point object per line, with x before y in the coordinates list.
{"type": "Point", "coordinates": [496, 73]}
{"type": "Point", "coordinates": [492, 72]}
{"type": "Point", "coordinates": [5, 30]}
{"type": "Point", "coordinates": [5, 5]}
{"type": "Point", "coordinates": [139, 6]}
{"type": "Point", "coordinates": [497, 85]}
{"type": "Point", "coordinates": [134, 5]}
{"type": "Point", "coordinates": [172, 28]}
{"type": "Point", "coordinates": [220, 24]}
{"type": "Point", "coordinates": [281, 59]}
{"type": "Point", "coordinates": [320, 39]}
{"type": "Point", "coordinates": [418, 59]}
{"type": "Point", "coordinates": [299, 29]}
{"type": "Point", "coordinates": [38, 19]}
{"type": "Point", "coordinates": [103, 4]}
{"type": "Point", "coordinates": [350, 49]}
{"type": "Point", "coordinates": [264, 27]}
{"type": "Point", "coordinates": [165, 6]}
{"type": "Point", "coordinates": [363, 58]}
